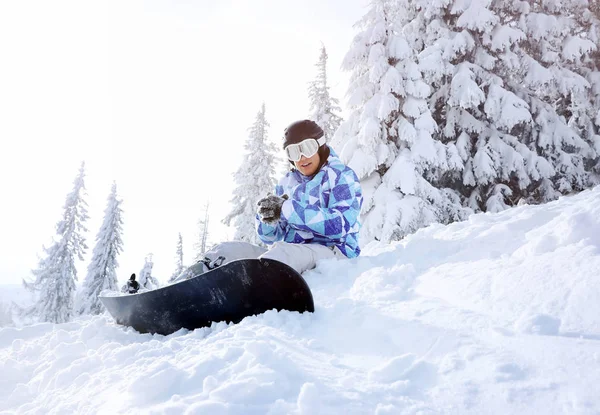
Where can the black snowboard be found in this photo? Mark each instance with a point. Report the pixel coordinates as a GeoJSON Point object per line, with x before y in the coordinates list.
{"type": "Point", "coordinates": [228, 293]}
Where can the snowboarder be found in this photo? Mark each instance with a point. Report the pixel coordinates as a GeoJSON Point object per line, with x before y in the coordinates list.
{"type": "Point", "coordinates": [132, 285]}
{"type": "Point", "coordinates": [312, 215]}
{"type": "Point", "coordinates": [314, 212]}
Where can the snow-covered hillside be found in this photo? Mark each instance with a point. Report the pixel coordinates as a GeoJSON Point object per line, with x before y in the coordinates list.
{"type": "Point", "coordinates": [499, 314]}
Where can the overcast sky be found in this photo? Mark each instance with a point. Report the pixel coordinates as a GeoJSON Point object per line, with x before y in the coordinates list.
{"type": "Point", "coordinates": [156, 95]}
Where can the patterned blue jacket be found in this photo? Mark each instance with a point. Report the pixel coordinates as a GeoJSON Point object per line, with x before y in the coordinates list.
{"type": "Point", "coordinates": [322, 209]}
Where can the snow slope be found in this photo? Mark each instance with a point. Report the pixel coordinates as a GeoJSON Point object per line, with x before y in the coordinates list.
{"type": "Point", "coordinates": [499, 314]}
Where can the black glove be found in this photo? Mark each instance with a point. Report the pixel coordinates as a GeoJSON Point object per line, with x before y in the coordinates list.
{"type": "Point", "coordinates": [269, 208]}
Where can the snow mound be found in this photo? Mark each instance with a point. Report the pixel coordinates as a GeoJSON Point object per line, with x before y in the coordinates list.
{"type": "Point", "coordinates": [497, 314]}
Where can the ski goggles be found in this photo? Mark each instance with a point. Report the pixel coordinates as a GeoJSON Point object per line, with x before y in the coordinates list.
{"type": "Point", "coordinates": [306, 148]}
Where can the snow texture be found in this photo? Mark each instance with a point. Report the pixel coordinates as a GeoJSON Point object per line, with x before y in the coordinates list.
{"type": "Point", "coordinates": [498, 314]}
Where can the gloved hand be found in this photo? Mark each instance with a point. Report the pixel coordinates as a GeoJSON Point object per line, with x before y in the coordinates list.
{"type": "Point", "coordinates": [269, 208]}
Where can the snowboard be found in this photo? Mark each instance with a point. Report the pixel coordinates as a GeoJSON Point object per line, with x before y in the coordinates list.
{"type": "Point", "coordinates": [228, 293]}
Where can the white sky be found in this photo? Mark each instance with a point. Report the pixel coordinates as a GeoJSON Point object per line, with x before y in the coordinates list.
{"type": "Point", "coordinates": [157, 95]}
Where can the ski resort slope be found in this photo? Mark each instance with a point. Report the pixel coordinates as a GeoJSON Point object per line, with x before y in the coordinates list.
{"type": "Point", "coordinates": [496, 315]}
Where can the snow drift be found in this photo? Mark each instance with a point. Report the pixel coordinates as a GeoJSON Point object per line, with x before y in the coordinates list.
{"type": "Point", "coordinates": [497, 314]}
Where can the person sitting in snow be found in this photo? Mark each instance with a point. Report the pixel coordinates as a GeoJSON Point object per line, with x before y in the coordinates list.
{"type": "Point", "coordinates": [132, 285]}
{"type": "Point", "coordinates": [314, 211]}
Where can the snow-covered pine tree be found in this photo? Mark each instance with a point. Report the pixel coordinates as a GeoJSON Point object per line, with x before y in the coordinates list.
{"type": "Point", "coordinates": [468, 58]}
{"type": "Point", "coordinates": [561, 83]}
{"type": "Point", "coordinates": [387, 139]}
{"type": "Point", "coordinates": [498, 103]}
{"type": "Point", "coordinates": [201, 244]}
{"type": "Point", "coordinates": [178, 259]}
{"type": "Point", "coordinates": [593, 33]}
{"type": "Point", "coordinates": [56, 274]}
{"type": "Point", "coordinates": [102, 271]}
{"type": "Point", "coordinates": [324, 108]}
{"type": "Point", "coordinates": [145, 278]}
{"type": "Point", "coordinates": [254, 179]}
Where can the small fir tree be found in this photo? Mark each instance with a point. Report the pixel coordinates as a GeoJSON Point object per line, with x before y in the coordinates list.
{"type": "Point", "coordinates": [324, 108]}
{"type": "Point", "coordinates": [56, 274]}
{"type": "Point", "coordinates": [145, 279]}
{"type": "Point", "coordinates": [201, 244]}
{"type": "Point", "coordinates": [254, 179]}
{"type": "Point", "coordinates": [102, 271]}
{"type": "Point", "coordinates": [178, 259]}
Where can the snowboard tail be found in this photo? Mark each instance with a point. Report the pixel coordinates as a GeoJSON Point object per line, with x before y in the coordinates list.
{"type": "Point", "coordinates": [228, 293]}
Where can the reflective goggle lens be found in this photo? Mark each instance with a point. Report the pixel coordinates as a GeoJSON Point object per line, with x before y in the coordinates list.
{"type": "Point", "coordinates": [308, 148]}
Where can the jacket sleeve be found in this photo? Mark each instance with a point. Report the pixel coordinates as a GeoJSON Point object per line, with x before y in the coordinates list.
{"type": "Point", "coordinates": [269, 233]}
{"type": "Point", "coordinates": [334, 221]}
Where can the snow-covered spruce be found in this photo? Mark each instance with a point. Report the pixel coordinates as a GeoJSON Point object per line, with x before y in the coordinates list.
{"type": "Point", "coordinates": [388, 139]}
{"type": "Point", "coordinates": [56, 273]}
{"type": "Point", "coordinates": [102, 270]}
{"type": "Point", "coordinates": [591, 18]}
{"type": "Point", "coordinates": [324, 108]}
{"type": "Point", "coordinates": [562, 85]}
{"type": "Point", "coordinates": [511, 95]}
{"type": "Point", "coordinates": [145, 278]}
{"type": "Point", "coordinates": [178, 259]}
{"type": "Point", "coordinates": [254, 179]}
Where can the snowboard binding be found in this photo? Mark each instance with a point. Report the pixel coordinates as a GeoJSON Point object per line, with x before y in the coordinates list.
{"type": "Point", "coordinates": [210, 265]}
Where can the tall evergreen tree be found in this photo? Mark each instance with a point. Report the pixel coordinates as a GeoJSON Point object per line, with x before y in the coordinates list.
{"type": "Point", "coordinates": [178, 259]}
{"type": "Point", "coordinates": [387, 139]}
{"type": "Point", "coordinates": [324, 108]}
{"type": "Point", "coordinates": [254, 179]}
{"type": "Point", "coordinates": [102, 271]}
{"type": "Point", "coordinates": [56, 274]}
{"type": "Point", "coordinates": [145, 278]}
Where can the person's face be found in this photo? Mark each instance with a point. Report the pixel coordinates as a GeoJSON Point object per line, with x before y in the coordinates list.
{"type": "Point", "coordinates": [308, 166]}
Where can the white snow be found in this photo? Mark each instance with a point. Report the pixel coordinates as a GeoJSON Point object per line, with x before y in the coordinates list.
{"type": "Point", "coordinates": [15, 293]}
{"type": "Point", "coordinates": [497, 314]}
